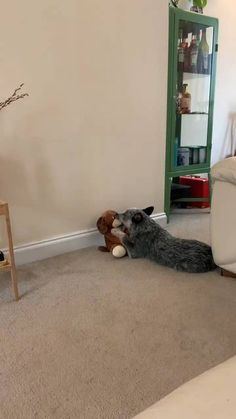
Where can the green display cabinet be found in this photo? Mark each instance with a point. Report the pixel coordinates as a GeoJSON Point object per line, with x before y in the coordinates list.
{"type": "Point", "coordinates": [191, 87]}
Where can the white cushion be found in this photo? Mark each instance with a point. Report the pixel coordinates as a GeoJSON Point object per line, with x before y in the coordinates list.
{"type": "Point", "coordinates": [225, 171]}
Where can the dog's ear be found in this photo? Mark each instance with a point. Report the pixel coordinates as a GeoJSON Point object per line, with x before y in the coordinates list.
{"type": "Point", "coordinates": [101, 225]}
{"type": "Point", "coordinates": [137, 218]}
{"type": "Point", "coordinates": [148, 210]}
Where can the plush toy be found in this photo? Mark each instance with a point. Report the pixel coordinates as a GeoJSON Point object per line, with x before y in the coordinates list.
{"type": "Point", "coordinates": [104, 224]}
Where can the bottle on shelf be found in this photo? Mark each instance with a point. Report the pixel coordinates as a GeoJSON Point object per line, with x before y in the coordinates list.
{"type": "Point", "coordinates": [183, 156]}
{"type": "Point", "coordinates": [198, 39]}
{"type": "Point", "coordinates": [186, 53]}
{"type": "Point", "coordinates": [185, 101]}
{"type": "Point", "coordinates": [178, 102]}
{"type": "Point", "coordinates": [190, 155]}
{"type": "Point", "coordinates": [193, 54]}
{"type": "Point", "coordinates": [202, 155]}
{"type": "Point", "coordinates": [181, 47]}
{"type": "Point", "coordinates": [195, 156]}
{"type": "Point", "coordinates": [183, 54]}
{"type": "Point", "coordinates": [203, 55]}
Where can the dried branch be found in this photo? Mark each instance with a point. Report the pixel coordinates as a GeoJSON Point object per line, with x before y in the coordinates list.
{"type": "Point", "coordinates": [13, 97]}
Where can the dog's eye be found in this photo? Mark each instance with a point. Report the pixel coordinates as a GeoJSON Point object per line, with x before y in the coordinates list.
{"type": "Point", "coordinates": [137, 218]}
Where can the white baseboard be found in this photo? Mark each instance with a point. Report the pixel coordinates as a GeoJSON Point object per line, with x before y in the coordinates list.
{"type": "Point", "coordinates": [160, 218]}
{"type": "Point", "coordinates": [63, 244]}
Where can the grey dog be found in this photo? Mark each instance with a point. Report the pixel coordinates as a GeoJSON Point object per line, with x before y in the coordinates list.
{"type": "Point", "coordinates": [144, 238]}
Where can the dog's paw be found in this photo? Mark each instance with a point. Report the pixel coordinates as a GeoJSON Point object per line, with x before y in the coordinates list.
{"type": "Point", "coordinates": [118, 233]}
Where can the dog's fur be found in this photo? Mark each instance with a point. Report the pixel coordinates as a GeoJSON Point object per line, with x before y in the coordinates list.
{"type": "Point", "coordinates": [147, 239]}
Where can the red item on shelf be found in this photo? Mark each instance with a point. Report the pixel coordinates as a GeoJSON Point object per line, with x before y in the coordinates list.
{"type": "Point", "coordinates": [199, 189]}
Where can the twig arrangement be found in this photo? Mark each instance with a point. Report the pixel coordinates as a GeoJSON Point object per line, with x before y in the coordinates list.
{"type": "Point", "coordinates": [15, 96]}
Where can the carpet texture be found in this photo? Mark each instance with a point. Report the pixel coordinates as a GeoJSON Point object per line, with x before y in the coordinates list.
{"type": "Point", "coordinates": [98, 338]}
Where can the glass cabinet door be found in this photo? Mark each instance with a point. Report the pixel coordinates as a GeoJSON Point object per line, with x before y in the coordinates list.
{"type": "Point", "coordinates": [193, 91]}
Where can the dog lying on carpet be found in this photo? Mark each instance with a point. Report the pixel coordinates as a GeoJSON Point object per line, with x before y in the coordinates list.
{"type": "Point", "coordinates": [147, 239]}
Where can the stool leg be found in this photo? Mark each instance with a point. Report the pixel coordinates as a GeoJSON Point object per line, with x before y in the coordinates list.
{"type": "Point", "coordinates": [226, 273]}
{"type": "Point", "coordinates": [11, 256]}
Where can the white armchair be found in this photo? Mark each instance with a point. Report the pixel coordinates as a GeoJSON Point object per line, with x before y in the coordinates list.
{"type": "Point", "coordinates": [223, 215]}
{"type": "Point", "coordinates": [211, 395]}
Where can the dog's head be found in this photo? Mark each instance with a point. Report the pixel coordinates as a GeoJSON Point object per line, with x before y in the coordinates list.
{"type": "Point", "coordinates": [136, 218]}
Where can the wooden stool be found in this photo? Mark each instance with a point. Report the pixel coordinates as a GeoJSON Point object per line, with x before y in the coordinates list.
{"type": "Point", "coordinates": [11, 265]}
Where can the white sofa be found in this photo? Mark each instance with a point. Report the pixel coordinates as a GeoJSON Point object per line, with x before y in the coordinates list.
{"type": "Point", "coordinates": [209, 396]}
{"type": "Point", "coordinates": [223, 214]}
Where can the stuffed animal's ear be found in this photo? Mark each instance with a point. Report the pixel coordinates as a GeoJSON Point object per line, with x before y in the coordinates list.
{"type": "Point", "coordinates": [101, 225]}
{"type": "Point", "coordinates": [137, 218]}
{"type": "Point", "coordinates": [148, 210]}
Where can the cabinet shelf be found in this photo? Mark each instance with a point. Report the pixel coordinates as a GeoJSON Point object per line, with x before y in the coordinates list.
{"type": "Point", "coordinates": [192, 113]}
{"type": "Point", "coordinates": [193, 74]}
{"type": "Point", "coordinates": [191, 199]}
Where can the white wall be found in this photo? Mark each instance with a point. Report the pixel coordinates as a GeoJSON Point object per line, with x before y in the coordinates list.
{"type": "Point", "coordinates": [92, 133]}
{"type": "Point", "coordinates": [225, 99]}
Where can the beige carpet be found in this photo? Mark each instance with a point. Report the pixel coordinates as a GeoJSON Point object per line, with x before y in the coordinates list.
{"type": "Point", "coordinates": [95, 337]}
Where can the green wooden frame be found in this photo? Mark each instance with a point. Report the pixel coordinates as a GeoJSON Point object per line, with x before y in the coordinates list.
{"type": "Point", "coordinates": [175, 15]}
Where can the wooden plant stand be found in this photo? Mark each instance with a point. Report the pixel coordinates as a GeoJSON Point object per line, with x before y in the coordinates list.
{"type": "Point", "coordinates": [4, 211]}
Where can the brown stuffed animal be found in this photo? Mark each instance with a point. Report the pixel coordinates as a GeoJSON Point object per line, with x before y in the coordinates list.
{"type": "Point", "coordinates": [104, 224]}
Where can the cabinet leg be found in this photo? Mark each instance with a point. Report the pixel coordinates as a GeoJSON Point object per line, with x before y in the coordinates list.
{"type": "Point", "coordinates": [11, 256]}
{"type": "Point", "coordinates": [167, 197]}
